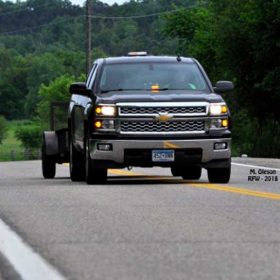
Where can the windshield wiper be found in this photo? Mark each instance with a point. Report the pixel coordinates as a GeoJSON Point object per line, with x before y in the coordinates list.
{"type": "Point", "coordinates": [121, 89]}
{"type": "Point", "coordinates": [108, 90]}
{"type": "Point", "coordinates": [138, 89]}
{"type": "Point", "coordinates": [162, 89]}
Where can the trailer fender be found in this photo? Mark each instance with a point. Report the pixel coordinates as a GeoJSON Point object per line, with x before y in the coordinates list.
{"type": "Point", "coordinates": [51, 141]}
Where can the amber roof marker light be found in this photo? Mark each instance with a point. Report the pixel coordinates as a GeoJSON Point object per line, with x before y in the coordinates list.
{"type": "Point", "coordinates": [137, 53]}
{"type": "Point", "coordinates": [155, 88]}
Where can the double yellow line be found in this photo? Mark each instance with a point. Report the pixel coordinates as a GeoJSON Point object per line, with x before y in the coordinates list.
{"type": "Point", "coordinates": [237, 190]}
{"type": "Point", "coordinates": [216, 187]}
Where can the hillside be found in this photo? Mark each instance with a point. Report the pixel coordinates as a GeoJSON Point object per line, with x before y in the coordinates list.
{"type": "Point", "coordinates": [234, 40]}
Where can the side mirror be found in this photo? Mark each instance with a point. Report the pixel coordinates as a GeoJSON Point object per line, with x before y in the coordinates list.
{"type": "Point", "coordinates": [223, 86]}
{"type": "Point", "coordinates": [79, 88]}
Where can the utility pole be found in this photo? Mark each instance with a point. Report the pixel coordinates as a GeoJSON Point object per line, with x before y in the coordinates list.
{"type": "Point", "coordinates": [88, 35]}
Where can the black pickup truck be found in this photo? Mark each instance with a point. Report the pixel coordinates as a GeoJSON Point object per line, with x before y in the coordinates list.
{"type": "Point", "coordinates": [145, 111]}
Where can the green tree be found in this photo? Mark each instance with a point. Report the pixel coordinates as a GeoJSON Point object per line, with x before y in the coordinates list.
{"type": "Point", "coordinates": [57, 90]}
{"type": "Point", "coordinates": [3, 129]}
{"type": "Point", "coordinates": [13, 88]}
{"type": "Point", "coordinates": [30, 136]}
{"type": "Point", "coordinates": [239, 40]}
{"type": "Point", "coordinates": [42, 69]}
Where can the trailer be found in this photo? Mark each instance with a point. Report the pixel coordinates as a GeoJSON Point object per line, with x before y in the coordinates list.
{"type": "Point", "coordinates": [55, 142]}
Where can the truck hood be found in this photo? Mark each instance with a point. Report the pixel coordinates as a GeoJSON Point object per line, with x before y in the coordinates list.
{"type": "Point", "coordinates": [164, 96]}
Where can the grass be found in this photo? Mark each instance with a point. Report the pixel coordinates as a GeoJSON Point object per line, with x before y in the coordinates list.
{"type": "Point", "coordinates": [11, 148]}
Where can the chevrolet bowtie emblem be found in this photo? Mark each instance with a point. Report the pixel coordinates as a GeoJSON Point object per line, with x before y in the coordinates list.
{"type": "Point", "coordinates": [163, 117]}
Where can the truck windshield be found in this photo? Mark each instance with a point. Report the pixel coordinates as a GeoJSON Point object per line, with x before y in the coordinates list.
{"type": "Point", "coordinates": [152, 76]}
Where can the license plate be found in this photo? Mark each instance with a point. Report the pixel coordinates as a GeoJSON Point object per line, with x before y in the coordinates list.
{"type": "Point", "coordinates": [162, 155]}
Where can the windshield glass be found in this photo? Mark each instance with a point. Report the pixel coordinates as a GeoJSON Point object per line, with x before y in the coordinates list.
{"type": "Point", "coordinates": [152, 76]}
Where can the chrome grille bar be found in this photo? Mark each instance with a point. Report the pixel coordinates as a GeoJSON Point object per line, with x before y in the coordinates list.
{"type": "Point", "coordinates": [152, 109]}
{"type": "Point", "coordinates": [171, 127]}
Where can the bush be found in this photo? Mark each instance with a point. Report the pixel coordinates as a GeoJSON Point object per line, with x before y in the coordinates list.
{"type": "Point", "coordinates": [30, 136]}
{"type": "Point", "coordinates": [256, 138]}
{"type": "Point", "coordinates": [243, 133]}
{"type": "Point", "coordinates": [267, 139]}
{"type": "Point", "coordinates": [3, 128]}
{"type": "Point", "coordinates": [57, 90]}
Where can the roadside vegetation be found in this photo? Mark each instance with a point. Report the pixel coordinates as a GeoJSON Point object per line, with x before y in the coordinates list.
{"type": "Point", "coordinates": [42, 52]}
{"type": "Point", "coordinates": [3, 129]}
{"type": "Point", "coordinates": [11, 147]}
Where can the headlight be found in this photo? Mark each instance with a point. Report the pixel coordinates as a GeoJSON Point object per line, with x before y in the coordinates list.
{"type": "Point", "coordinates": [217, 109]}
{"type": "Point", "coordinates": [105, 110]}
{"type": "Point", "coordinates": [104, 124]}
{"type": "Point", "coordinates": [219, 123]}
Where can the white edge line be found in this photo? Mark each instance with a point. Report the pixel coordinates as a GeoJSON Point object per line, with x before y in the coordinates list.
{"type": "Point", "coordinates": [24, 260]}
{"type": "Point", "coordinates": [255, 166]}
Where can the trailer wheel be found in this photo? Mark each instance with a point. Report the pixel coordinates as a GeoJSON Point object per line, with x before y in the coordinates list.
{"type": "Point", "coordinates": [48, 164]}
{"type": "Point", "coordinates": [219, 175]}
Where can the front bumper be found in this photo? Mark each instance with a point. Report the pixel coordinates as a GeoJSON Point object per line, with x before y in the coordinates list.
{"type": "Point", "coordinates": [119, 148]}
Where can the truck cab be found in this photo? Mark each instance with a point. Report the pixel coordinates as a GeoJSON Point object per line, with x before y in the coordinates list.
{"type": "Point", "coordinates": [141, 110]}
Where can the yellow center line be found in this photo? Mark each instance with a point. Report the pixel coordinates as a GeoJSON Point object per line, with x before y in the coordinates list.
{"type": "Point", "coordinates": [232, 189]}
{"type": "Point", "coordinates": [217, 187]}
{"type": "Point", "coordinates": [123, 172]}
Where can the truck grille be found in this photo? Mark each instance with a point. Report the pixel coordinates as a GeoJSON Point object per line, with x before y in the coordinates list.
{"type": "Point", "coordinates": [162, 127]}
{"type": "Point", "coordinates": [155, 110]}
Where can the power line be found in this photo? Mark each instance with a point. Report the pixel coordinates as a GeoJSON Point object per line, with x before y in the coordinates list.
{"type": "Point", "coordinates": [25, 29]}
{"type": "Point", "coordinates": [142, 16]}
{"type": "Point", "coordinates": [101, 17]}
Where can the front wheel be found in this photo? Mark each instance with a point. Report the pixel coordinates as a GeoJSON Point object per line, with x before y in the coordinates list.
{"type": "Point", "coordinates": [191, 173]}
{"type": "Point", "coordinates": [48, 164]}
{"type": "Point", "coordinates": [94, 175]}
{"type": "Point", "coordinates": [77, 170]}
{"type": "Point", "coordinates": [219, 175]}
{"type": "Point", "coordinates": [188, 173]}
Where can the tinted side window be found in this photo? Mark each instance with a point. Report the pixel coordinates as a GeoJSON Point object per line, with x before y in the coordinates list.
{"type": "Point", "coordinates": [91, 74]}
{"type": "Point", "coordinates": [92, 78]}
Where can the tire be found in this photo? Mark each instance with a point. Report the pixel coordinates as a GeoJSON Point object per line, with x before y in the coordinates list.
{"type": "Point", "coordinates": [77, 166]}
{"type": "Point", "coordinates": [93, 175]}
{"type": "Point", "coordinates": [188, 173]}
{"type": "Point", "coordinates": [48, 165]}
{"type": "Point", "coordinates": [176, 171]}
{"type": "Point", "coordinates": [219, 175]}
{"type": "Point", "coordinates": [191, 173]}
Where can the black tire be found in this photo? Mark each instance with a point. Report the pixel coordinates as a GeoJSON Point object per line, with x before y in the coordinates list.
{"type": "Point", "coordinates": [93, 175]}
{"type": "Point", "coordinates": [188, 173]}
{"type": "Point", "coordinates": [48, 165]}
{"type": "Point", "coordinates": [219, 175]}
{"type": "Point", "coordinates": [191, 173]}
{"type": "Point", "coordinates": [176, 171]}
{"type": "Point", "coordinates": [77, 166]}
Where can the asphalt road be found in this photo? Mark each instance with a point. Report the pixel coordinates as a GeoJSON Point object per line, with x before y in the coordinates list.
{"type": "Point", "coordinates": [145, 224]}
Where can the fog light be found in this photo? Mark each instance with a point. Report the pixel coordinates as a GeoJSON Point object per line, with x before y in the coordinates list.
{"type": "Point", "coordinates": [220, 146]}
{"type": "Point", "coordinates": [104, 147]}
